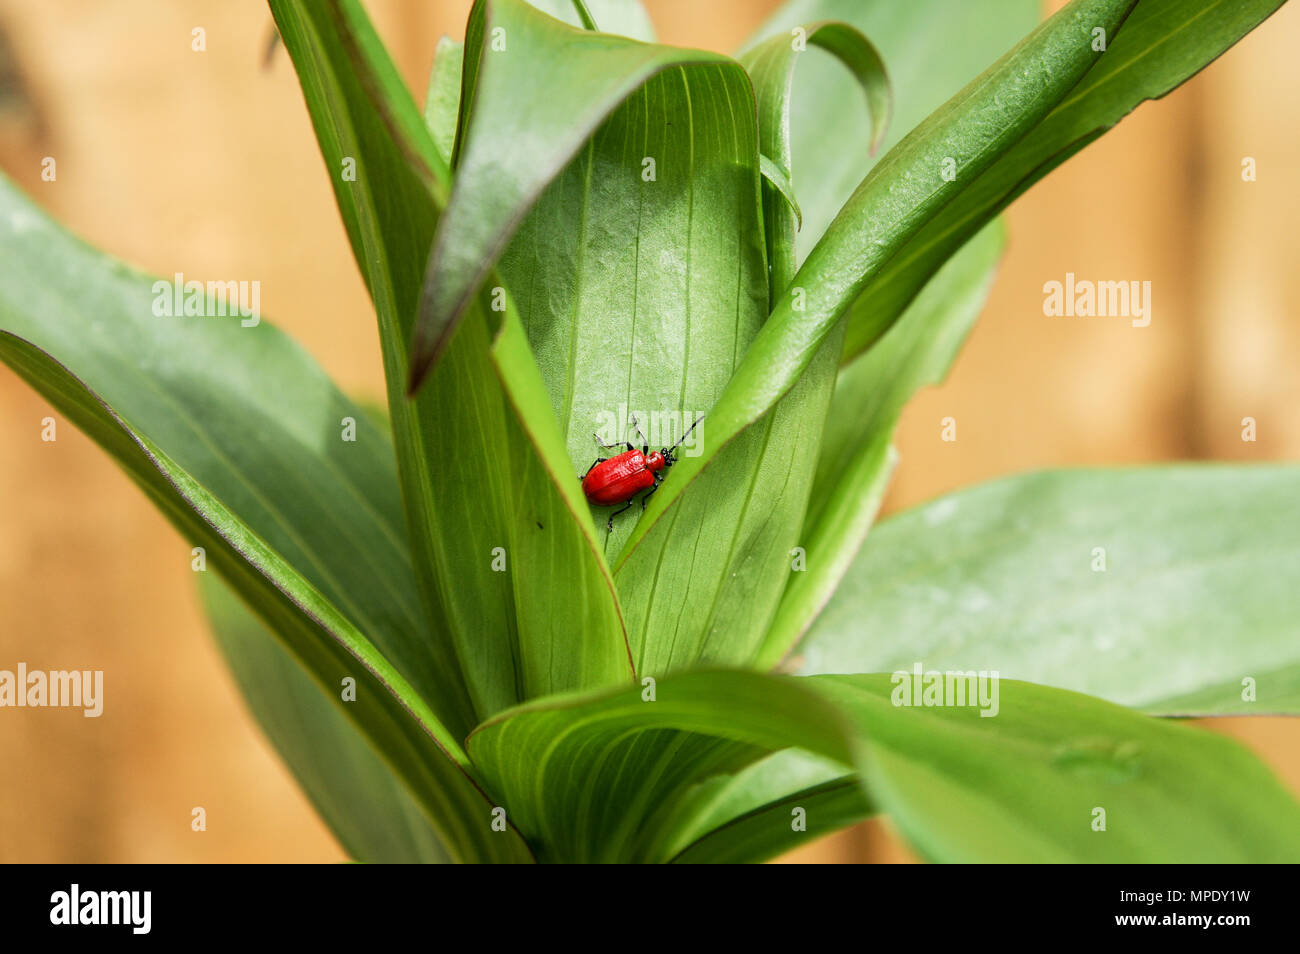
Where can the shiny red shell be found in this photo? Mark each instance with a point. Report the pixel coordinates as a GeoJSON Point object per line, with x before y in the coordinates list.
{"type": "Point", "coordinates": [618, 479]}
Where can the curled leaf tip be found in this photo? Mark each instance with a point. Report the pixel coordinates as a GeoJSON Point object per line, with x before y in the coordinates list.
{"type": "Point", "coordinates": [866, 64]}
{"type": "Point", "coordinates": [779, 178]}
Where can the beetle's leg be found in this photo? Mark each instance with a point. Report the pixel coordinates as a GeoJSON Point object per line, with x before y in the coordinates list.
{"type": "Point", "coordinates": [598, 460]}
{"type": "Point", "coordinates": [649, 493]}
{"type": "Point", "coordinates": [610, 525]}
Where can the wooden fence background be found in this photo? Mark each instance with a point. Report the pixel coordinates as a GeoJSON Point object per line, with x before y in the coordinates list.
{"type": "Point", "coordinates": [205, 163]}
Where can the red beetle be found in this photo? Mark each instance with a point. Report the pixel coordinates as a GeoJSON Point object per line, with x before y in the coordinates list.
{"type": "Point", "coordinates": [613, 480]}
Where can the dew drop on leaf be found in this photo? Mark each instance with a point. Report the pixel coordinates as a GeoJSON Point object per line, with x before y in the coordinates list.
{"type": "Point", "coordinates": [1107, 759]}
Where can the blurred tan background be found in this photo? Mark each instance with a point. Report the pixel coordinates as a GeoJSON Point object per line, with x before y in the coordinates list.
{"type": "Point", "coordinates": [205, 163]}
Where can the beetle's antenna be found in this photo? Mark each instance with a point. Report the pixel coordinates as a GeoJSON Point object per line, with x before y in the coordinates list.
{"type": "Point", "coordinates": [645, 443]}
{"type": "Point", "coordinates": [686, 433]}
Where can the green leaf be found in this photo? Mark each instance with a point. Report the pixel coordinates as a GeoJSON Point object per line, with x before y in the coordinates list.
{"type": "Point", "coordinates": [388, 709]}
{"type": "Point", "coordinates": [771, 68]}
{"type": "Point", "coordinates": [906, 190]}
{"type": "Point", "coordinates": [571, 630]}
{"type": "Point", "coordinates": [703, 584]}
{"type": "Point", "coordinates": [856, 460]}
{"type": "Point", "coordinates": [932, 49]}
{"type": "Point", "coordinates": [829, 545]}
{"type": "Point", "coordinates": [779, 179]}
{"type": "Point", "coordinates": [442, 104]}
{"type": "Point", "coordinates": [944, 774]}
{"type": "Point", "coordinates": [241, 409]}
{"type": "Point", "coordinates": [357, 795]}
{"type": "Point", "coordinates": [360, 138]}
{"type": "Point", "coordinates": [693, 257]}
{"type": "Point", "coordinates": [498, 182]}
{"type": "Point", "coordinates": [538, 591]}
{"type": "Point", "coordinates": [902, 192]}
{"type": "Point", "coordinates": [766, 832]}
{"type": "Point", "coordinates": [642, 313]}
{"type": "Point", "coordinates": [1026, 784]}
{"type": "Point", "coordinates": [488, 487]}
{"type": "Point", "coordinates": [235, 434]}
{"type": "Point", "coordinates": [1200, 588]}
{"type": "Point", "coordinates": [872, 391]}
{"type": "Point", "coordinates": [1161, 44]}
{"type": "Point", "coordinates": [752, 816]}
{"type": "Point", "coordinates": [594, 777]}
{"type": "Point", "coordinates": [1282, 684]}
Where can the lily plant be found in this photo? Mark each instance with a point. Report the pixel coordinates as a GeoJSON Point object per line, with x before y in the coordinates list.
{"type": "Point", "coordinates": [587, 238]}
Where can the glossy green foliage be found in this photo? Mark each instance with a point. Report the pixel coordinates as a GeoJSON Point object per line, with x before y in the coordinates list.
{"type": "Point", "coordinates": [456, 658]}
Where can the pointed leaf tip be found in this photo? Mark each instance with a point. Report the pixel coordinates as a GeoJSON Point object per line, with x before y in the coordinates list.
{"type": "Point", "coordinates": [424, 355]}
